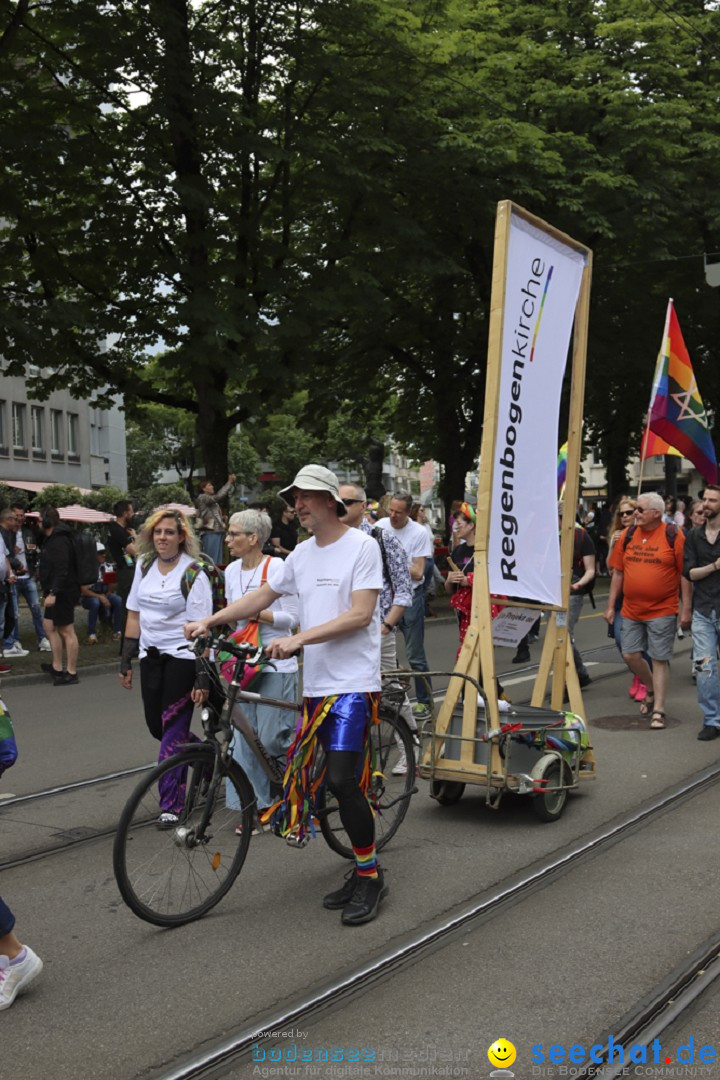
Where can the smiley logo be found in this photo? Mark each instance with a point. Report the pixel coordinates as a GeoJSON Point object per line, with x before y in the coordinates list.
{"type": "Point", "coordinates": [502, 1053]}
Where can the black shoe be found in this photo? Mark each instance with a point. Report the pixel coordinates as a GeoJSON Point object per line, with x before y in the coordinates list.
{"type": "Point", "coordinates": [366, 900]}
{"type": "Point", "coordinates": [522, 656]}
{"type": "Point", "coordinates": [50, 670]}
{"type": "Point", "coordinates": [341, 897]}
{"type": "Point", "coordinates": [584, 680]}
{"type": "Point", "coordinates": [708, 732]}
{"type": "Point", "coordinates": [66, 679]}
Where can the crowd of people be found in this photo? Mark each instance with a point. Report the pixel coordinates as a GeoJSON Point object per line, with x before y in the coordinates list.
{"type": "Point", "coordinates": [340, 597]}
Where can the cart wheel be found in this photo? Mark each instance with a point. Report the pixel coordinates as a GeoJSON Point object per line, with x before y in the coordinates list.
{"type": "Point", "coordinates": [550, 804]}
{"type": "Point", "coordinates": [446, 792]}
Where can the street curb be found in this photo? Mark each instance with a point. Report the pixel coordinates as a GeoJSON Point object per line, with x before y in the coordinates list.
{"type": "Point", "coordinates": [42, 679]}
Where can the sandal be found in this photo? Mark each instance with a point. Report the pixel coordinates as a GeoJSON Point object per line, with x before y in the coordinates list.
{"type": "Point", "coordinates": [658, 720]}
{"type": "Point", "coordinates": [648, 705]}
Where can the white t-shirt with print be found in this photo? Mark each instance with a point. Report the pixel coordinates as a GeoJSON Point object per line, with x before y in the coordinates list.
{"type": "Point", "coordinates": [162, 607]}
{"type": "Point", "coordinates": [239, 582]}
{"type": "Point", "coordinates": [414, 538]}
{"type": "Point", "coordinates": [325, 579]}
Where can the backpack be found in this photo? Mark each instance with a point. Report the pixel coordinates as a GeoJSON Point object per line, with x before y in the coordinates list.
{"type": "Point", "coordinates": [202, 564]}
{"type": "Point", "coordinates": [671, 532]}
{"type": "Point", "coordinates": [84, 551]}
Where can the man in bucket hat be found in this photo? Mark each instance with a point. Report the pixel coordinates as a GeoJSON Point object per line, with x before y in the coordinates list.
{"type": "Point", "coordinates": [337, 575]}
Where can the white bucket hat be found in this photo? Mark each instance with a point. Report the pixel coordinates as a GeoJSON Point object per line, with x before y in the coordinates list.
{"type": "Point", "coordinates": [315, 478]}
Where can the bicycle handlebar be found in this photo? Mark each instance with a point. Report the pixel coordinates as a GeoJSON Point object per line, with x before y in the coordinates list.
{"type": "Point", "coordinates": [243, 650]}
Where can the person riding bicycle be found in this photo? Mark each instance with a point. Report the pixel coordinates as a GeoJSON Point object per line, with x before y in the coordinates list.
{"type": "Point", "coordinates": [337, 575]}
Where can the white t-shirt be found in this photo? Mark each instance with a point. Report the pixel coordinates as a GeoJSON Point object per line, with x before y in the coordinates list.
{"type": "Point", "coordinates": [240, 582]}
{"type": "Point", "coordinates": [325, 579]}
{"type": "Point", "coordinates": [163, 609]}
{"type": "Point", "coordinates": [414, 538]}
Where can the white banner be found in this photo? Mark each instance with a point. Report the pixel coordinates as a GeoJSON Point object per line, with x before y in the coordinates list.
{"type": "Point", "coordinates": [542, 285]}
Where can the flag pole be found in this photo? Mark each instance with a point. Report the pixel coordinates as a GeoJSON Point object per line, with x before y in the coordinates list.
{"type": "Point", "coordinates": [653, 395]}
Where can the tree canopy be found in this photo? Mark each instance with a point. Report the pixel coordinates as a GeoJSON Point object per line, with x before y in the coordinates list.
{"type": "Point", "coordinates": [273, 197]}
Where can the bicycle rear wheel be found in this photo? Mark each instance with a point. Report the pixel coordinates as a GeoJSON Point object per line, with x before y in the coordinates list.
{"type": "Point", "coordinates": [172, 874]}
{"type": "Point", "coordinates": [392, 781]}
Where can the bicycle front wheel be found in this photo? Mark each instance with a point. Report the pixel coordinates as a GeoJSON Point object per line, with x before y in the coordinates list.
{"type": "Point", "coordinates": [172, 873]}
{"type": "Point", "coordinates": [392, 781]}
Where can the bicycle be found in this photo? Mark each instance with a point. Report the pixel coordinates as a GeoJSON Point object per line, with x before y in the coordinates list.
{"type": "Point", "coordinates": [173, 875]}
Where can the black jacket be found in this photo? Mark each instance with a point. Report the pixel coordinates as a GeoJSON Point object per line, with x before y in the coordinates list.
{"type": "Point", "coordinates": [57, 570]}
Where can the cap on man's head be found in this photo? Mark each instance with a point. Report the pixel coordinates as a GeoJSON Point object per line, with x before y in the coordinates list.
{"type": "Point", "coordinates": [99, 546]}
{"type": "Point", "coordinates": [315, 478]}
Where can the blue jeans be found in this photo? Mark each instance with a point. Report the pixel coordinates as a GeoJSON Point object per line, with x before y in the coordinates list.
{"type": "Point", "coordinates": [14, 634]}
{"type": "Point", "coordinates": [27, 588]}
{"type": "Point", "coordinates": [276, 728]}
{"type": "Point", "coordinates": [7, 919]}
{"type": "Point", "coordinates": [92, 606]}
{"type": "Point", "coordinates": [412, 626]}
{"type": "Point", "coordinates": [705, 635]}
{"type": "Point", "coordinates": [212, 544]}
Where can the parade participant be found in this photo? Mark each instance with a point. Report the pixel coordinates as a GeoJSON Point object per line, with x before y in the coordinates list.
{"type": "Point", "coordinates": [396, 595]}
{"type": "Point", "coordinates": [624, 516]}
{"type": "Point", "coordinates": [210, 522]}
{"type": "Point", "coordinates": [337, 574]}
{"type": "Point", "coordinates": [648, 559]}
{"type": "Point", "coordinates": [160, 602]}
{"type": "Point", "coordinates": [12, 646]}
{"type": "Point", "coordinates": [61, 589]}
{"type": "Point", "coordinates": [19, 965]}
{"type": "Point", "coordinates": [418, 549]}
{"type": "Point", "coordinates": [701, 566]}
{"type": "Point", "coordinates": [284, 535]}
{"type": "Point", "coordinates": [121, 546]}
{"type": "Point", "coordinates": [248, 532]}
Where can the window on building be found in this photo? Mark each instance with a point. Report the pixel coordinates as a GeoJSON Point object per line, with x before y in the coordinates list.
{"type": "Point", "coordinates": [37, 419]}
{"type": "Point", "coordinates": [18, 419]}
{"type": "Point", "coordinates": [56, 431]}
{"type": "Point", "coordinates": [3, 427]}
{"type": "Point", "coordinates": [73, 430]}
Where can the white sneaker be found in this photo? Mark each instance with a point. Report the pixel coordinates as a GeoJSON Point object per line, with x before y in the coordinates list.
{"type": "Point", "coordinates": [44, 645]}
{"type": "Point", "coordinates": [400, 768]}
{"type": "Point", "coordinates": [15, 977]}
{"type": "Point", "coordinates": [16, 650]}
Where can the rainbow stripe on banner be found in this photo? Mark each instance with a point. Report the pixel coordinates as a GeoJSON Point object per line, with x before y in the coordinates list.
{"type": "Point", "coordinates": [677, 413]}
{"type": "Point", "coordinates": [561, 469]}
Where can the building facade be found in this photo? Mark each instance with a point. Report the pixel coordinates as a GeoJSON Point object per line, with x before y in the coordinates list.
{"type": "Point", "coordinates": [60, 440]}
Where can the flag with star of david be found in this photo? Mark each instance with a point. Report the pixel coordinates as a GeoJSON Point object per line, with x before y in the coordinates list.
{"type": "Point", "coordinates": [677, 413]}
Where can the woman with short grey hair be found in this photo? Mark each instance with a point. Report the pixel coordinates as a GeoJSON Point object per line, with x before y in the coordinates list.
{"type": "Point", "coordinates": [248, 531]}
{"type": "Point", "coordinates": [253, 521]}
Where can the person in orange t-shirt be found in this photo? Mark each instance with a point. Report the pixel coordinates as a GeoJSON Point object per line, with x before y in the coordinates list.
{"type": "Point", "coordinates": [648, 563]}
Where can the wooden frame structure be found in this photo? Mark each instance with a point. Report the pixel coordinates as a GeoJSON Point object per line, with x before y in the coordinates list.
{"type": "Point", "coordinates": [477, 653]}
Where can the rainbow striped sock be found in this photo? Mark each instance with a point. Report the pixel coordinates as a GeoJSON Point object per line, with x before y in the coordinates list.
{"type": "Point", "coordinates": [366, 861]}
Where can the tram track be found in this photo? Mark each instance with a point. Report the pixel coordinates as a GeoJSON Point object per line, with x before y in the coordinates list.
{"type": "Point", "coordinates": [215, 1059]}
{"type": "Point", "coordinates": [83, 835]}
{"type": "Point", "coordinates": [659, 1010]}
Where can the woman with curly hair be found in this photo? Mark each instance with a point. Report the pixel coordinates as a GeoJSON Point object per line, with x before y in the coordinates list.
{"type": "Point", "coordinates": [167, 591]}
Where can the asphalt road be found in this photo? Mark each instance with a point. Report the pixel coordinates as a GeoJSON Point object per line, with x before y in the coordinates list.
{"type": "Point", "coordinates": [119, 998]}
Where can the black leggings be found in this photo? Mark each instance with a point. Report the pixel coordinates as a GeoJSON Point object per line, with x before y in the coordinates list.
{"type": "Point", "coordinates": [354, 809]}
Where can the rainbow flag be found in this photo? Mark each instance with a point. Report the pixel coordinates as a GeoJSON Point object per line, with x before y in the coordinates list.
{"type": "Point", "coordinates": [677, 413]}
{"type": "Point", "coordinates": [652, 445]}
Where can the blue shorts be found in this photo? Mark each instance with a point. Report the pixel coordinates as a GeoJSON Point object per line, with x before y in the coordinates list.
{"type": "Point", "coordinates": [345, 726]}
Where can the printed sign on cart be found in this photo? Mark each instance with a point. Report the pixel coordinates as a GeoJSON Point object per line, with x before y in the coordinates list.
{"type": "Point", "coordinates": [511, 625]}
{"type": "Point", "coordinates": [542, 285]}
